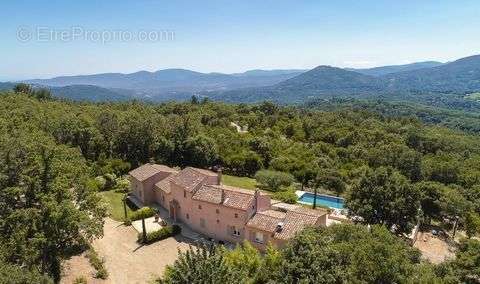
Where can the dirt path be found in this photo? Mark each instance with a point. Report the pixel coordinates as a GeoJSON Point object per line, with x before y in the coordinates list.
{"type": "Point", "coordinates": [126, 261]}
{"type": "Point", "coordinates": [78, 266]}
{"type": "Point", "coordinates": [434, 248]}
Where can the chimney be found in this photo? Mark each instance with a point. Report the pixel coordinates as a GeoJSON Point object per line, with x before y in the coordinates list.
{"type": "Point", "coordinates": [279, 227]}
{"type": "Point", "coordinates": [256, 195]}
{"type": "Point", "coordinates": [262, 202]}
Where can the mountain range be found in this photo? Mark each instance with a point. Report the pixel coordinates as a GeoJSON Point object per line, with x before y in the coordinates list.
{"type": "Point", "coordinates": [284, 86]}
{"type": "Point", "coordinates": [459, 77]}
{"type": "Point", "coordinates": [384, 70]}
{"type": "Point", "coordinates": [169, 83]}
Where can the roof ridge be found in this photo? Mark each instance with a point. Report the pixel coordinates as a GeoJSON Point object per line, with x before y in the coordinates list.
{"type": "Point", "coordinates": [232, 189]}
{"type": "Point", "coordinates": [244, 193]}
{"type": "Point", "coordinates": [262, 213]}
{"type": "Point", "coordinates": [202, 171]}
{"type": "Point", "coordinates": [306, 213]}
{"type": "Point", "coordinates": [199, 185]}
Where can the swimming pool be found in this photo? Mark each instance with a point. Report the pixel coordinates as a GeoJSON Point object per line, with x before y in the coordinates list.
{"type": "Point", "coordinates": [325, 200]}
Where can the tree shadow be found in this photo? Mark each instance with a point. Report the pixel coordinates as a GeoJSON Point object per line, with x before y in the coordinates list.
{"type": "Point", "coordinates": [139, 247]}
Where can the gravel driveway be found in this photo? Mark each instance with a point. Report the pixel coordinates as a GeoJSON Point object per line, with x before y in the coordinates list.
{"type": "Point", "coordinates": [126, 261]}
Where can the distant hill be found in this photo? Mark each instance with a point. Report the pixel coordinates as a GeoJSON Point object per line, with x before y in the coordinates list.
{"type": "Point", "coordinates": [173, 80]}
{"type": "Point", "coordinates": [82, 92]}
{"type": "Point", "coordinates": [259, 72]}
{"type": "Point", "coordinates": [384, 70]}
{"type": "Point", "coordinates": [91, 93]}
{"type": "Point", "coordinates": [460, 76]}
{"type": "Point", "coordinates": [6, 86]}
{"type": "Point", "coordinates": [327, 79]}
{"type": "Point", "coordinates": [457, 77]}
{"type": "Point", "coordinates": [322, 81]}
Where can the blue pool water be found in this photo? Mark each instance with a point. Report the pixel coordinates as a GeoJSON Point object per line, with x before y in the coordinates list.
{"type": "Point", "coordinates": [325, 200]}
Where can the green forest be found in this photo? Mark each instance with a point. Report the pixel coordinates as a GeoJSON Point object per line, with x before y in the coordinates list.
{"type": "Point", "coordinates": [393, 171]}
{"type": "Point", "coordinates": [336, 254]}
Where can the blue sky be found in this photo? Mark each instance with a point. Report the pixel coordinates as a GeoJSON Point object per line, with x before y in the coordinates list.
{"type": "Point", "coordinates": [232, 36]}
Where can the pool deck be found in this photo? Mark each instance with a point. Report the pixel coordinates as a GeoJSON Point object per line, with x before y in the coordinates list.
{"type": "Point", "coordinates": [299, 193]}
{"type": "Point", "coordinates": [334, 217]}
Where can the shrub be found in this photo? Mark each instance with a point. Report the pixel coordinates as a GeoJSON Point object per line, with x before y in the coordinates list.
{"type": "Point", "coordinates": [80, 280]}
{"type": "Point", "coordinates": [127, 222]}
{"type": "Point", "coordinates": [273, 180]}
{"type": "Point", "coordinates": [100, 182]}
{"type": "Point", "coordinates": [115, 166]}
{"type": "Point", "coordinates": [472, 224]}
{"type": "Point", "coordinates": [101, 273]}
{"type": "Point", "coordinates": [203, 264]}
{"type": "Point", "coordinates": [110, 181]}
{"type": "Point", "coordinates": [123, 185]}
{"type": "Point", "coordinates": [93, 184]}
{"type": "Point", "coordinates": [161, 234]}
{"type": "Point", "coordinates": [144, 212]}
{"type": "Point", "coordinates": [97, 263]}
{"type": "Point", "coordinates": [287, 196]}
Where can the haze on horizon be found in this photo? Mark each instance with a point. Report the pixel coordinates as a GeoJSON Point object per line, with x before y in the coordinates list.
{"type": "Point", "coordinates": [216, 37]}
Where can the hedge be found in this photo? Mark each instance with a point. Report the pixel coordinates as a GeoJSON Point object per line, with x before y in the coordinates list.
{"type": "Point", "coordinates": [287, 196]}
{"type": "Point", "coordinates": [144, 212]}
{"type": "Point", "coordinates": [273, 180]}
{"type": "Point", "coordinates": [161, 234]}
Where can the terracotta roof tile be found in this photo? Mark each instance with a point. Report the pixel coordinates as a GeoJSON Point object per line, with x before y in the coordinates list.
{"type": "Point", "coordinates": [189, 179]}
{"type": "Point", "coordinates": [164, 168]}
{"type": "Point", "coordinates": [164, 184]}
{"type": "Point", "coordinates": [295, 222]}
{"type": "Point", "coordinates": [266, 220]}
{"type": "Point", "coordinates": [308, 211]}
{"type": "Point", "coordinates": [237, 199]}
{"type": "Point", "coordinates": [274, 213]}
{"type": "Point", "coordinates": [205, 172]}
{"type": "Point", "coordinates": [292, 221]}
{"type": "Point", "coordinates": [239, 189]}
{"type": "Point", "coordinates": [208, 194]}
{"type": "Point", "coordinates": [146, 171]}
{"type": "Point", "coordinates": [227, 196]}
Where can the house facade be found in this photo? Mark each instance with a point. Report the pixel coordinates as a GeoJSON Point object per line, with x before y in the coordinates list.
{"type": "Point", "coordinates": [197, 198]}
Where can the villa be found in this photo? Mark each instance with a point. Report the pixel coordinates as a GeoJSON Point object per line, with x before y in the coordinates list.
{"type": "Point", "coordinates": [198, 199]}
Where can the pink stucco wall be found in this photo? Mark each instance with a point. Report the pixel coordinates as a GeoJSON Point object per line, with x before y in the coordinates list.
{"type": "Point", "coordinates": [144, 190]}
{"type": "Point", "coordinates": [213, 220]}
{"type": "Point", "coordinates": [203, 216]}
{"type": "Point", "coordinates": [267, 239]}
{"type": "Point", "coordinates": [217, 224]}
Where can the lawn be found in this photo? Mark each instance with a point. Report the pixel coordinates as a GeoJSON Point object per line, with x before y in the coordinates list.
{"type": "Point", "coordinates": [243, 182]}
{"type": "Point", "coordinates": [115, 204]}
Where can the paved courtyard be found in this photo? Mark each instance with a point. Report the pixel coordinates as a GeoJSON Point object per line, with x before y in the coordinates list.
{"type": "Point", "coordinates": [150, 225]}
